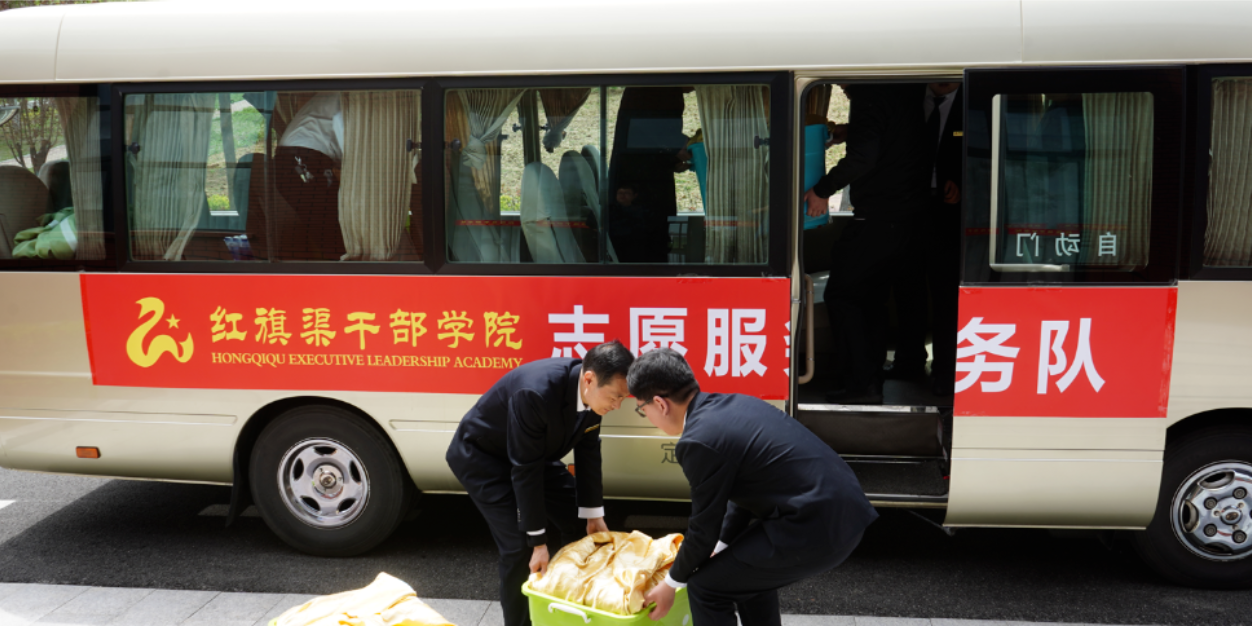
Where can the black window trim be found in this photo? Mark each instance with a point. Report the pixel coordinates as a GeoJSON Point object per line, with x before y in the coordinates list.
{"type": "Point", "coordinates": [1168, 152]}
{"type": "Point", "coordinates": [1200, 135]}
{"type": "Point", "coordinates": [82, 90]}
{"type": "Point", "coordinates": [434, 242]}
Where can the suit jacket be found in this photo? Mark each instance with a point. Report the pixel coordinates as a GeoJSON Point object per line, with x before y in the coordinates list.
{"type": "Point", "coordinates": [530, 419]}
{"type": "Point", "coordinates": [949, 161]}
{"type": "Point", "coordinates": [747, 460]}
{"type": "Point", "coordinates": [886, 163]}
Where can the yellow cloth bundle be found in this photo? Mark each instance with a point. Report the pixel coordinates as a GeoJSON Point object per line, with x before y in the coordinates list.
{"type": "Point", "coordinates": [387, 601]}
{"type": "Point", "coordinates": [609, 571]}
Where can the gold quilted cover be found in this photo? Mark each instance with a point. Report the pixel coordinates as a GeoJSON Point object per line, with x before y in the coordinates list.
{"type": "Point", "coordinates": [609, 571]}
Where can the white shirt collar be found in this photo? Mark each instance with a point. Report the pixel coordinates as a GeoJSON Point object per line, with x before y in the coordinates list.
{"type": "Point", "coordinates": [578, 395]}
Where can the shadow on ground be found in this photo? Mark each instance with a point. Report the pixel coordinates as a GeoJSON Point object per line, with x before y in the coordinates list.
{"type": "Point", "coordinates": [142, 534]}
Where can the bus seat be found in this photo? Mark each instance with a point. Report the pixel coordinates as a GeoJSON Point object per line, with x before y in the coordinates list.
{"type": "Point", "coordinates": [542, 204]}
{"type": "Point", "coordinates": [23, 199]}
{"type": "Point", "coordinates": [254, 223]}
{"type": "Point", "coordinates": [56, 177]}
{"type": "Point", "coordinates": [578, 182]}
{"type": "Point", "coordinates": [592, 154]}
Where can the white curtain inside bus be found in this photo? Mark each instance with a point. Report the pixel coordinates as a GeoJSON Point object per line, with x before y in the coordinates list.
{"type": "Point", "coordinates": [735, 125]}
{"type": "Point", "coordinates": [1118, 182]}
{"type": "Point", "coordinates": [474, 120]}
{"type": "Point", "coordinates": [560, 106]}
{"type": "Point", "coordinates": [1228, 236]}
{"type": "Point", "coordinates": [378, 172]}
{"type": "Point", "coordinates": [80, 121]}
{"type": "Point", "coordinates": [172, 131]}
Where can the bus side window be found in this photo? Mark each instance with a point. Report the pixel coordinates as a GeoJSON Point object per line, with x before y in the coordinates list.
{"type": "Point", "coordinates": [668, 175]}
{"type": "Point", "coordinates": [1072, 176]}
{"type": "Point", "coordinates": [1227, 239]}
{"type": "Point", "coordinates": [522, 169]}
{"type": "Point", "coordinates": [274, 176]}
{"type": "Point", "coordinates": [688, 174]}
{"type": "Point", "coordinates": [1074, 172]}
{"type": "Point", "coordinates": [51, 181]}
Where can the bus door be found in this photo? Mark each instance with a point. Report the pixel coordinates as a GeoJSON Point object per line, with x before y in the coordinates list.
{"type": "Point", "coordinates": [1067, 299]}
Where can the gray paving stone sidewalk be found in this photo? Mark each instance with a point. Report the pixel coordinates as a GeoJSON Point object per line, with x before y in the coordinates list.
{"type": "Point", "coordinates": [23, 604]}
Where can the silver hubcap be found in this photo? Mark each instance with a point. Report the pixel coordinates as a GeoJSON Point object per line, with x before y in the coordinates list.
{"type": "Point", "coordinates": [1210, 512]}
{"type": "Point", "coordinates": [323, 483]}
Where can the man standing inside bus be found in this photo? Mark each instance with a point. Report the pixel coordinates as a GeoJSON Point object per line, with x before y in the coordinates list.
{"type": "Point", "coordinates": [888, 165]}
{"type": "Point", "coordinates": [507, 454]}
{"type": "Point", "coordinates": [771, 504]}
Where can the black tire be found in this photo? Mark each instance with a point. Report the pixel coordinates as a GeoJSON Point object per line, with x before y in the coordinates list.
{"type": "Point", "coordinates": [1159, 545]}
{"type": "Point", "coordinates": [377, 474]}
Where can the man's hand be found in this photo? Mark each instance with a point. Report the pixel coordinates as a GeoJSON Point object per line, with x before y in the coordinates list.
{"type": "Point", "coordinates": [539, 561]}
{"type": "Point", "coordinates": [596, 525]}
{"type": "Point", "coordinates": [817, 206]}
{"type": "Point", "coordinates": [663, 596]}
{"type": "Point", "coordinates": [838, 135]}
{"type": "Point", "coordinates": [951, 193]}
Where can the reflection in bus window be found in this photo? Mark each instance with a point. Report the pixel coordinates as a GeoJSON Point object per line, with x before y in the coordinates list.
{"type": "Point", "coordinates": [1074, 181]}
{"type": "Point", "coordinates": [673, 175]}
{"type": "Point", "coordinates": [51, 191]}
{"type": "Point", "coordinates": [279, 176]}
{"type": "Point", "coordinates": [1227, 239]}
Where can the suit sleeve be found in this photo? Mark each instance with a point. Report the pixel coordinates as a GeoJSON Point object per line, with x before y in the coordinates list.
{"type": "Point", "coordinates": [588, 477]}
{"type": "Point", "coordinates": [526, 428]}
{"type": "Point", "coordinates": [865, 130]}
{"type": "Point", "coordinates": [711, 477]}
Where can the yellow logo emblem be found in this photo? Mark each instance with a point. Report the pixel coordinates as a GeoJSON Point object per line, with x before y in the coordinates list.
{"type": "Point", "coordinates": [161, 343]}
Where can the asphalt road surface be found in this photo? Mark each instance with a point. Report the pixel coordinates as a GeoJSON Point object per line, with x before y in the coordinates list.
{"type": "Point", "coordinates": [84, 531]}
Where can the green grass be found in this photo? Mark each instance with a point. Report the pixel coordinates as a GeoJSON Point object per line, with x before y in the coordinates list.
{"type": "Point", "coordinates": [248, 129]}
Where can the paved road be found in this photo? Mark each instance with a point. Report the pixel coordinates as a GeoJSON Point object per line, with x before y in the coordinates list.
{"type": "Point", "coordinates": [81, 531]}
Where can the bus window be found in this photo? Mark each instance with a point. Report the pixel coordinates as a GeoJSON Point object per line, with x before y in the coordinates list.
{"type": "Point", "coordinates": [277, 176]}
{"type": "Point", "coordinates": [523, 166]}
{"type": "Point", "coordinates": [1227, 240]}
{"type": "Point", "coordinates": [1072, 181]}
{"type": "Point", "coordinates": [51, 180]}
{"type": "Point", "coordinates": [666, 175]}
{"type": "Point", "coordinates": [695, 158]}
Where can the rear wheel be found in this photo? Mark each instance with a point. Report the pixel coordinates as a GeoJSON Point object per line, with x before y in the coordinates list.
{"type": "Point", "coordinates": [327, 483]}
{"type": "Point", "coordinates": [1201, 535]}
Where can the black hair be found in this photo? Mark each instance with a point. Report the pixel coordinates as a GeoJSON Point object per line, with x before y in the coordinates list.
{"type": "Point", "coordinates": [662, 372]}
{"type": "Point", "coordinates": [608, 361]}
{"type": "Point", "coordinates": [631, 186]}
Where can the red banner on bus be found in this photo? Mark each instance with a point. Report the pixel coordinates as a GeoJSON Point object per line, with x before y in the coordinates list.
{"type": "Point", "coordinates": [432, 334]}
{"type": "Point", "coordinates": [1072, 352]}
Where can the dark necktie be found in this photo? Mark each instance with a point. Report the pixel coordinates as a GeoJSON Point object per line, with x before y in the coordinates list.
{"type": "Point", "coordinates": [932, 129]}
{"type": "Point", "coordinates": [932, 123]}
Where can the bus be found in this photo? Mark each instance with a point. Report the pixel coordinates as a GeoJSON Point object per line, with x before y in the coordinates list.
{"type": "Point", "coordinates": [285, 247]}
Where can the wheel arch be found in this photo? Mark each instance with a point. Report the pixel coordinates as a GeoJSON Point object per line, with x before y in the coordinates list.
{"type": "Point", "coordinates": [241, 492]}
{"type": "Point", "coordinates": [1238, 417]}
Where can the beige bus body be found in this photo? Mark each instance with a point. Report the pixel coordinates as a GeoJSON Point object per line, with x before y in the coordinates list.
{"type": "Point", "coordinates": [1053, 472]}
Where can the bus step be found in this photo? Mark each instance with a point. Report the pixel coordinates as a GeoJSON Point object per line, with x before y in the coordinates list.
{"type": "Point", "coordinates": [924, 483]}
{"type": "Point", "coordinates": [878, 431]}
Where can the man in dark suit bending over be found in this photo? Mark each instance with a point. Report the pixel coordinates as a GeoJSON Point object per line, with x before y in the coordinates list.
{"type": "Point", "coordinates": [507, 454]}
{"type": "Point", "coordinates": [770, 503]}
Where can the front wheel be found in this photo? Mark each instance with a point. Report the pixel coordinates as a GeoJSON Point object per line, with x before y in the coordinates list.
{"type": "Point", "coordinates": [1201, 534]}
{"type": "Point", "coordinates": [327, 483]}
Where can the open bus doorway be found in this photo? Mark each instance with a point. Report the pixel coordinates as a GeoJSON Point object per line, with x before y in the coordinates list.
{"type": "Point", "coordinates": [883, 257]}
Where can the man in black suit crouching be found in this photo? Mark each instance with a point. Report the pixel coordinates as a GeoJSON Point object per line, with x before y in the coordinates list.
{"type": "Point", "coordinates": [507, 454]}
{"type": "Point", "coordinates": [783, 504]}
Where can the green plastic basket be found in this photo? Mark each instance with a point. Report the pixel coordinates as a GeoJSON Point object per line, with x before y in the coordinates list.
{"type": "Point", "coordinates": [546, 610]}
